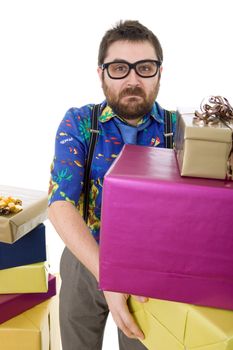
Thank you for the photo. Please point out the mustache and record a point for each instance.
(136, 90)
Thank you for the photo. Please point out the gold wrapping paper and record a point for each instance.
(34, 212)
(31, 278)
(177, 326)
(34, 329)
(202, 150)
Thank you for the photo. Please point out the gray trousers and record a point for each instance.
(83, 309)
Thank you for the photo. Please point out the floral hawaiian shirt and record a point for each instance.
(71, 147)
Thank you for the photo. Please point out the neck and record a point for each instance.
(133, 122)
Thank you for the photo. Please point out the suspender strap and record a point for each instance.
(93, 139)
(168, 137)
(168, 134)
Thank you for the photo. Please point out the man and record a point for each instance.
(129, 68)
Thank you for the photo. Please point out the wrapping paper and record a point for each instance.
(178, 326)
(34, 329)
(202, 150)
(12, 305)
(34, 212)
(165, 236)
(29, 249)
(31, 278)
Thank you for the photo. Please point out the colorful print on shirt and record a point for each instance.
(71, 147)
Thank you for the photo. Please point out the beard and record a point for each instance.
(132, 107)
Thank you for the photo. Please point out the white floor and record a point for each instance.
(54, 249)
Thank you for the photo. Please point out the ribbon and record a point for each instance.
(218, 109)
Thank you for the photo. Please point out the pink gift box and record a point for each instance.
(165, 236)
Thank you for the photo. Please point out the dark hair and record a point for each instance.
(131, 31)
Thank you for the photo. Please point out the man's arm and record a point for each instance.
(73, 230)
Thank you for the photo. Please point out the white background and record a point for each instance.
(48, 63)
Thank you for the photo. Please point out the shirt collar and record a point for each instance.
(107, 114)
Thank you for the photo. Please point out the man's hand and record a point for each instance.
(117, 303)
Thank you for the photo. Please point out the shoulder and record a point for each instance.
(75, 124)
(80, 113)
(163, 112)
(77, 117)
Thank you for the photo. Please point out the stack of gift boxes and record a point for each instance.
(167, 234)
(28, 299)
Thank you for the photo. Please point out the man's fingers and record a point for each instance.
(128, 326)
(133, 327)
(140, 299)
(126, 331)
(117, 303)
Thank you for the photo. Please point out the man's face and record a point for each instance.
(132, 96)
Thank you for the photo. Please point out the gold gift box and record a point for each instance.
(202, 150)
(32, 278)
(179, 326)
(14, 226)
(34, 329)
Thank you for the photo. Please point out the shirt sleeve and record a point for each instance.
(67, 168)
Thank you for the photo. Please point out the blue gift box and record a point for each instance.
(29, 249)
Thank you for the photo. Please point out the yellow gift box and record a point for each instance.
(34, 203)
(202, 150)
(34, 329)
(31, 278)
(178, 326)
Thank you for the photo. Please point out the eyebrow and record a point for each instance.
(116, 60)
(119, 60)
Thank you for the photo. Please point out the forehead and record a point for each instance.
(130, 51)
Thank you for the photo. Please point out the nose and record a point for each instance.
(132, 78)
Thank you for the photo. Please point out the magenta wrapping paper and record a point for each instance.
(166, 236)
(12, 305)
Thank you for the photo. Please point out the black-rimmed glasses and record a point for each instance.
(120, 69)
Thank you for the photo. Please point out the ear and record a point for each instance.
(160, 72)
(100, 73)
